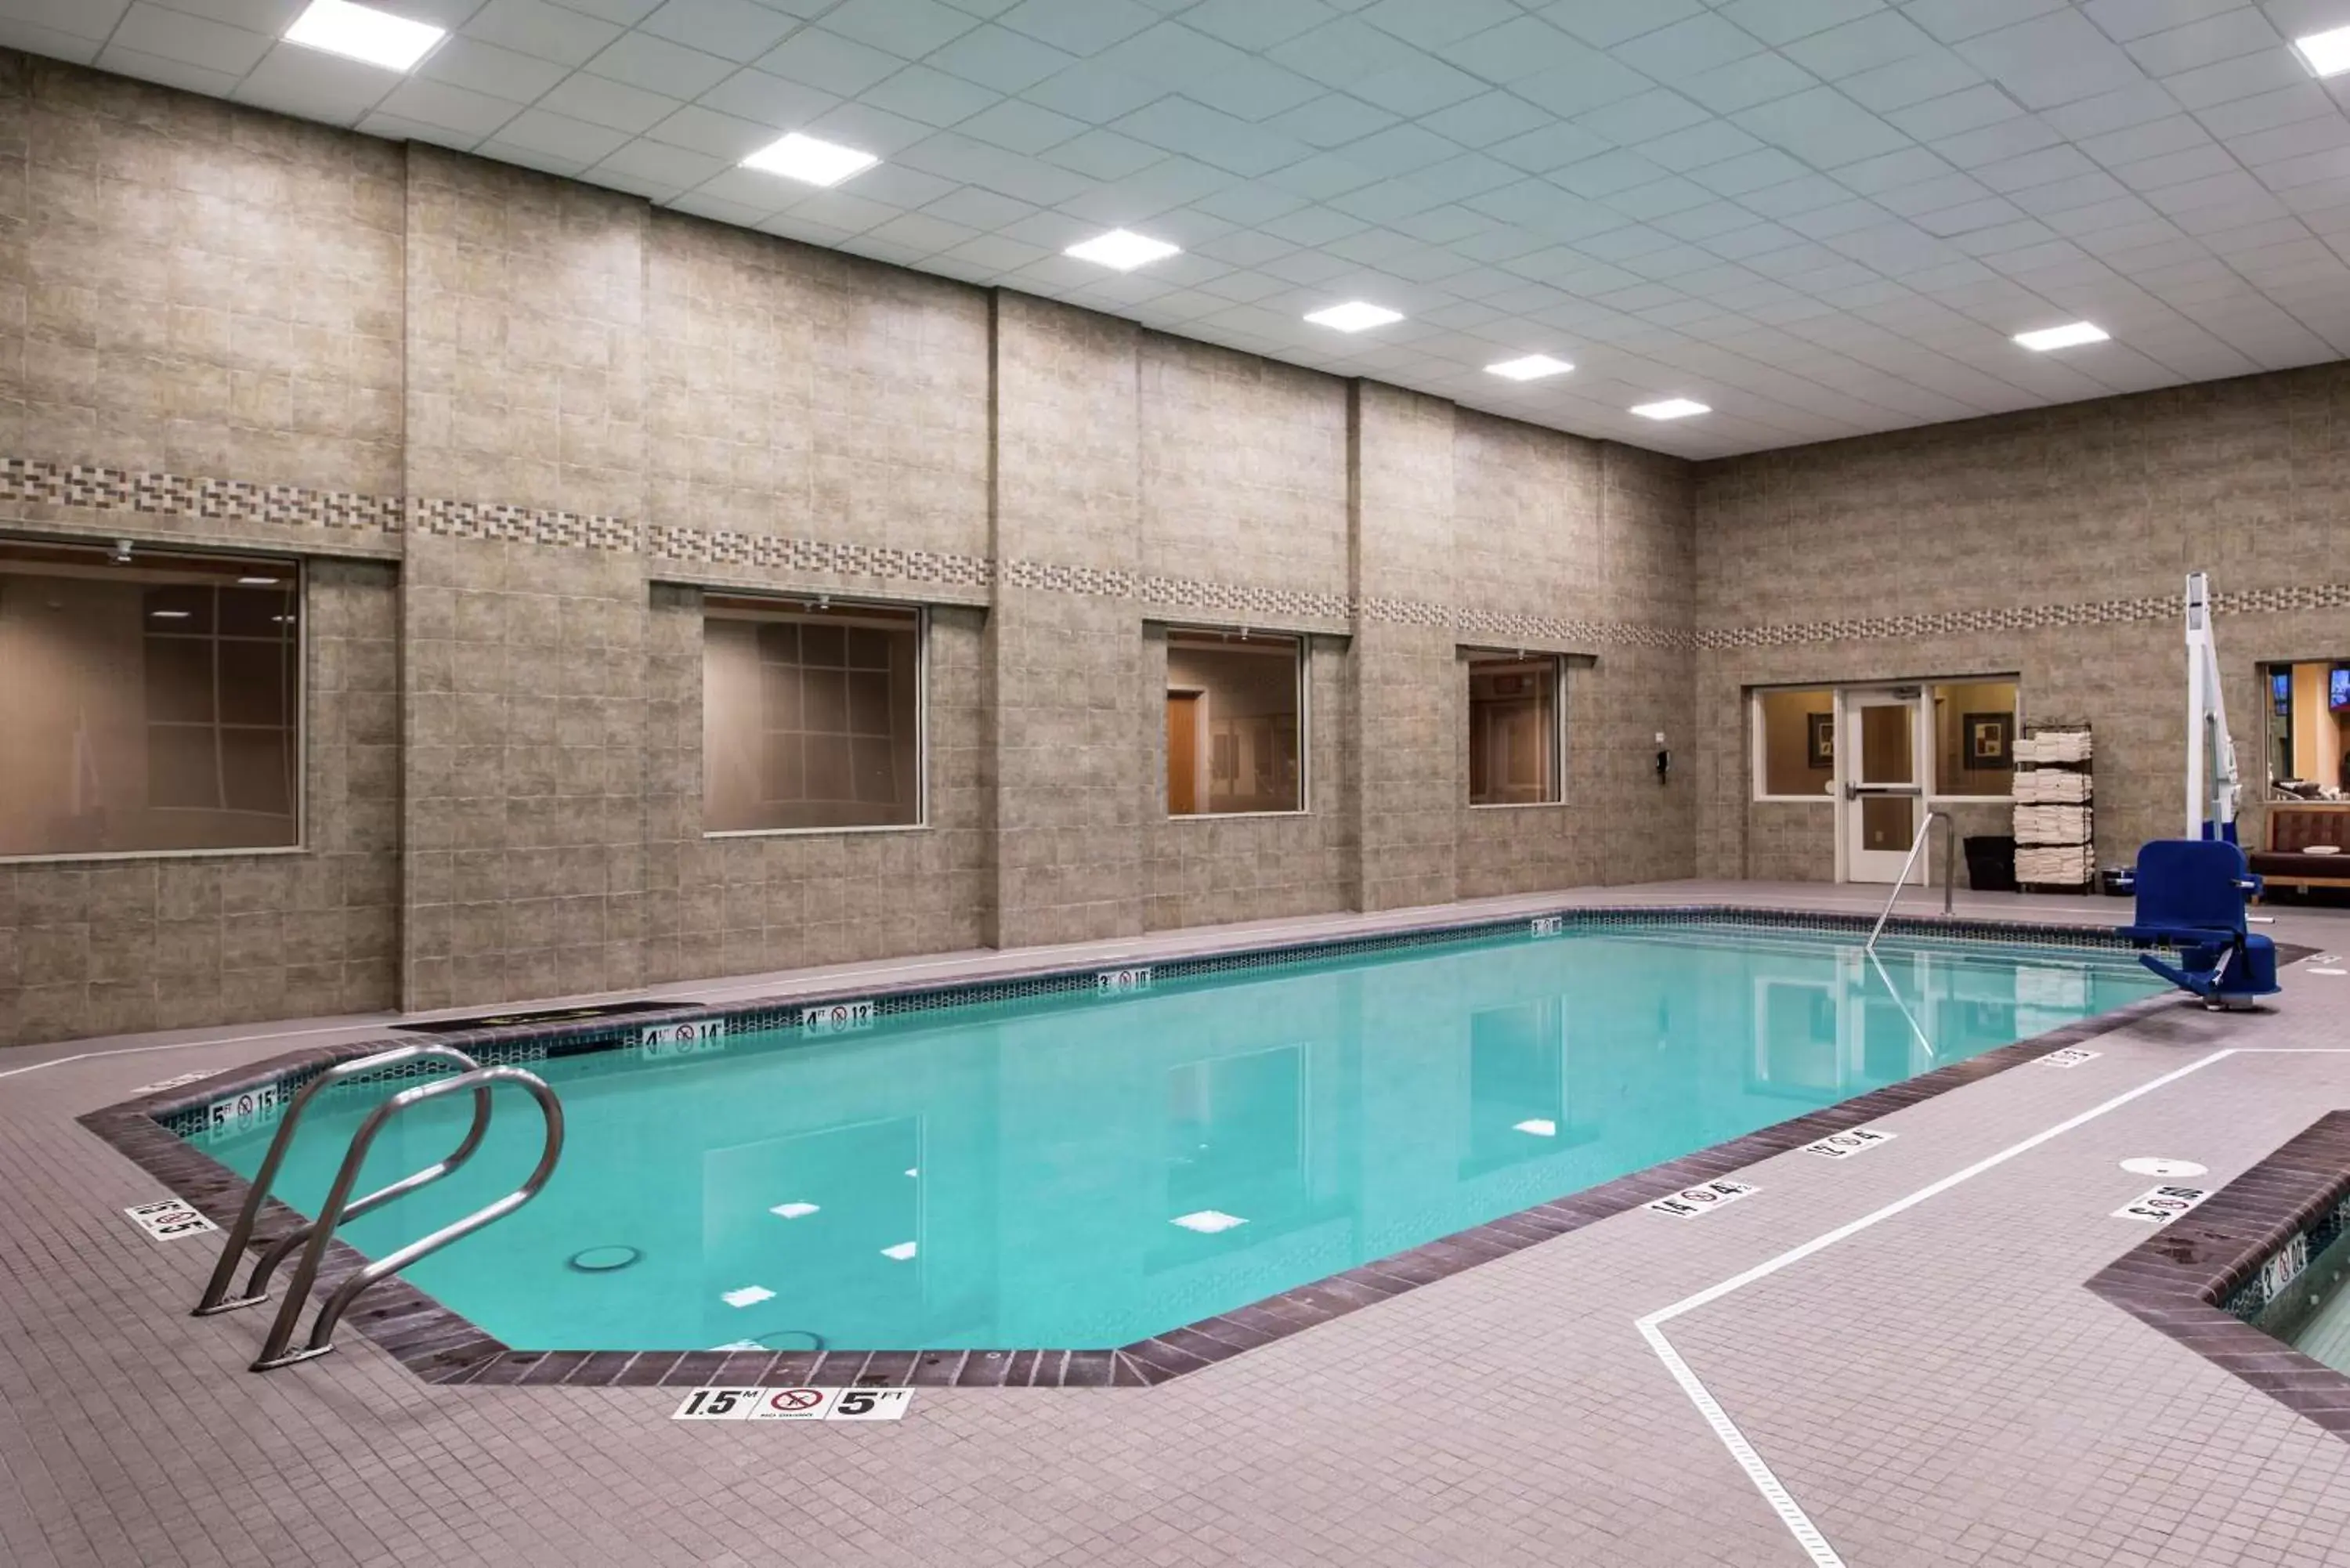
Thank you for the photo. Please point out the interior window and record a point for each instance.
(1235, 703)
(1514, 728)
(1796, 749)
(151, 701)
(2309, 729)
(811, 716)
(1975, 726)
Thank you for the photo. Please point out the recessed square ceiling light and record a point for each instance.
(2328, 53)
(364, 33)
(1354, 316)
(257, 582)
(804, 158)
(1123, 249)
(2067, 336)
(1670, 408)
(1532, 368)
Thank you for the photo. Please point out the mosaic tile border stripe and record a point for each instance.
(2026, 618)
(439, 1346)
(2195, 1279)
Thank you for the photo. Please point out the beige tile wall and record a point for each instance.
(505, 707)
(109, 946)
(2090, 504)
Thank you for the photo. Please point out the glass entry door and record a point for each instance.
(1881, 767)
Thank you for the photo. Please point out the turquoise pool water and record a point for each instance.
(1085, 1173)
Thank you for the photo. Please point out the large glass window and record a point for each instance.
(811, 716)
(1975, 737)
(1795, 745)
(2309, 729)
(1235, 709)
(149, 701)
(1513, 730)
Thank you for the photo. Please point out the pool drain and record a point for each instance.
(814, 1340)
(605, 1259)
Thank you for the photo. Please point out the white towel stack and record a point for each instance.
(2051, 786)
(2054, 865)
(2053, 746)
(2052, 825)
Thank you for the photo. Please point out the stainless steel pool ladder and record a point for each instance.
(1950, 869)
(340, 1205)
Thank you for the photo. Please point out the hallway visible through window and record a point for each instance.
(811, 717)
(149, 701)
(1514, 728)
(1235, 709)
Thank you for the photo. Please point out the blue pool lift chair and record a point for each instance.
(2192, 896)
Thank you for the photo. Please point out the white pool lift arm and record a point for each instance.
(2211, 777)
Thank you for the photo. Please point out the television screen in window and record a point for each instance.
(2338, 689)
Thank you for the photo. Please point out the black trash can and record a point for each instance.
(1991, 862)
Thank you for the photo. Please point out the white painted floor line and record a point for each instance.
(192, 1046)
(1799, 1524)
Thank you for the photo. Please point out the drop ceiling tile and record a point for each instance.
(2223, 81)
(2267, 111)
(545, 32)
(1080, 28)
(1870, 43)
(626, 13)
(829, 62)
(655, 162)
(998, 57)
(215, 47)
(484, 68)
(901, 184)
(1914, 79)
(560, 136)
(1433, 27)
(271, 16)
(1524, 47)
(768, 100)
(1995, 143)
(1750, 171)
(1580, 85)
(93, 20)
(315, 86)
(450, 109)
(909, 27)
(599, 101)
(934, 97)
(2240, 31)
(2204, 163)
(1725, 89)
(1257, 23)
(699, 129)
(656, 65)
(153, 68)
(1421, 87)
(1822, 127)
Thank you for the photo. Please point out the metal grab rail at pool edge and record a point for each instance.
(1950, 869)
(339, 1206)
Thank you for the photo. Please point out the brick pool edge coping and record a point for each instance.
(441, 1346)
(2178, 1279)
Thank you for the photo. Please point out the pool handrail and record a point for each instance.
(1950, 869)
(216, 1298)
(274, 1352)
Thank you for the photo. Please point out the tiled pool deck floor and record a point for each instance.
(1934, 1387)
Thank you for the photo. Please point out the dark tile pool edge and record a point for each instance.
(2184, 1280)
(441, 1346)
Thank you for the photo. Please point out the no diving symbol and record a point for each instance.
(795, 1401)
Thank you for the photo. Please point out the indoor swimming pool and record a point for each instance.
(1089, 1170)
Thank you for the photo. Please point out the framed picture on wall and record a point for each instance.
(1819, 750)
(1990, 740)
